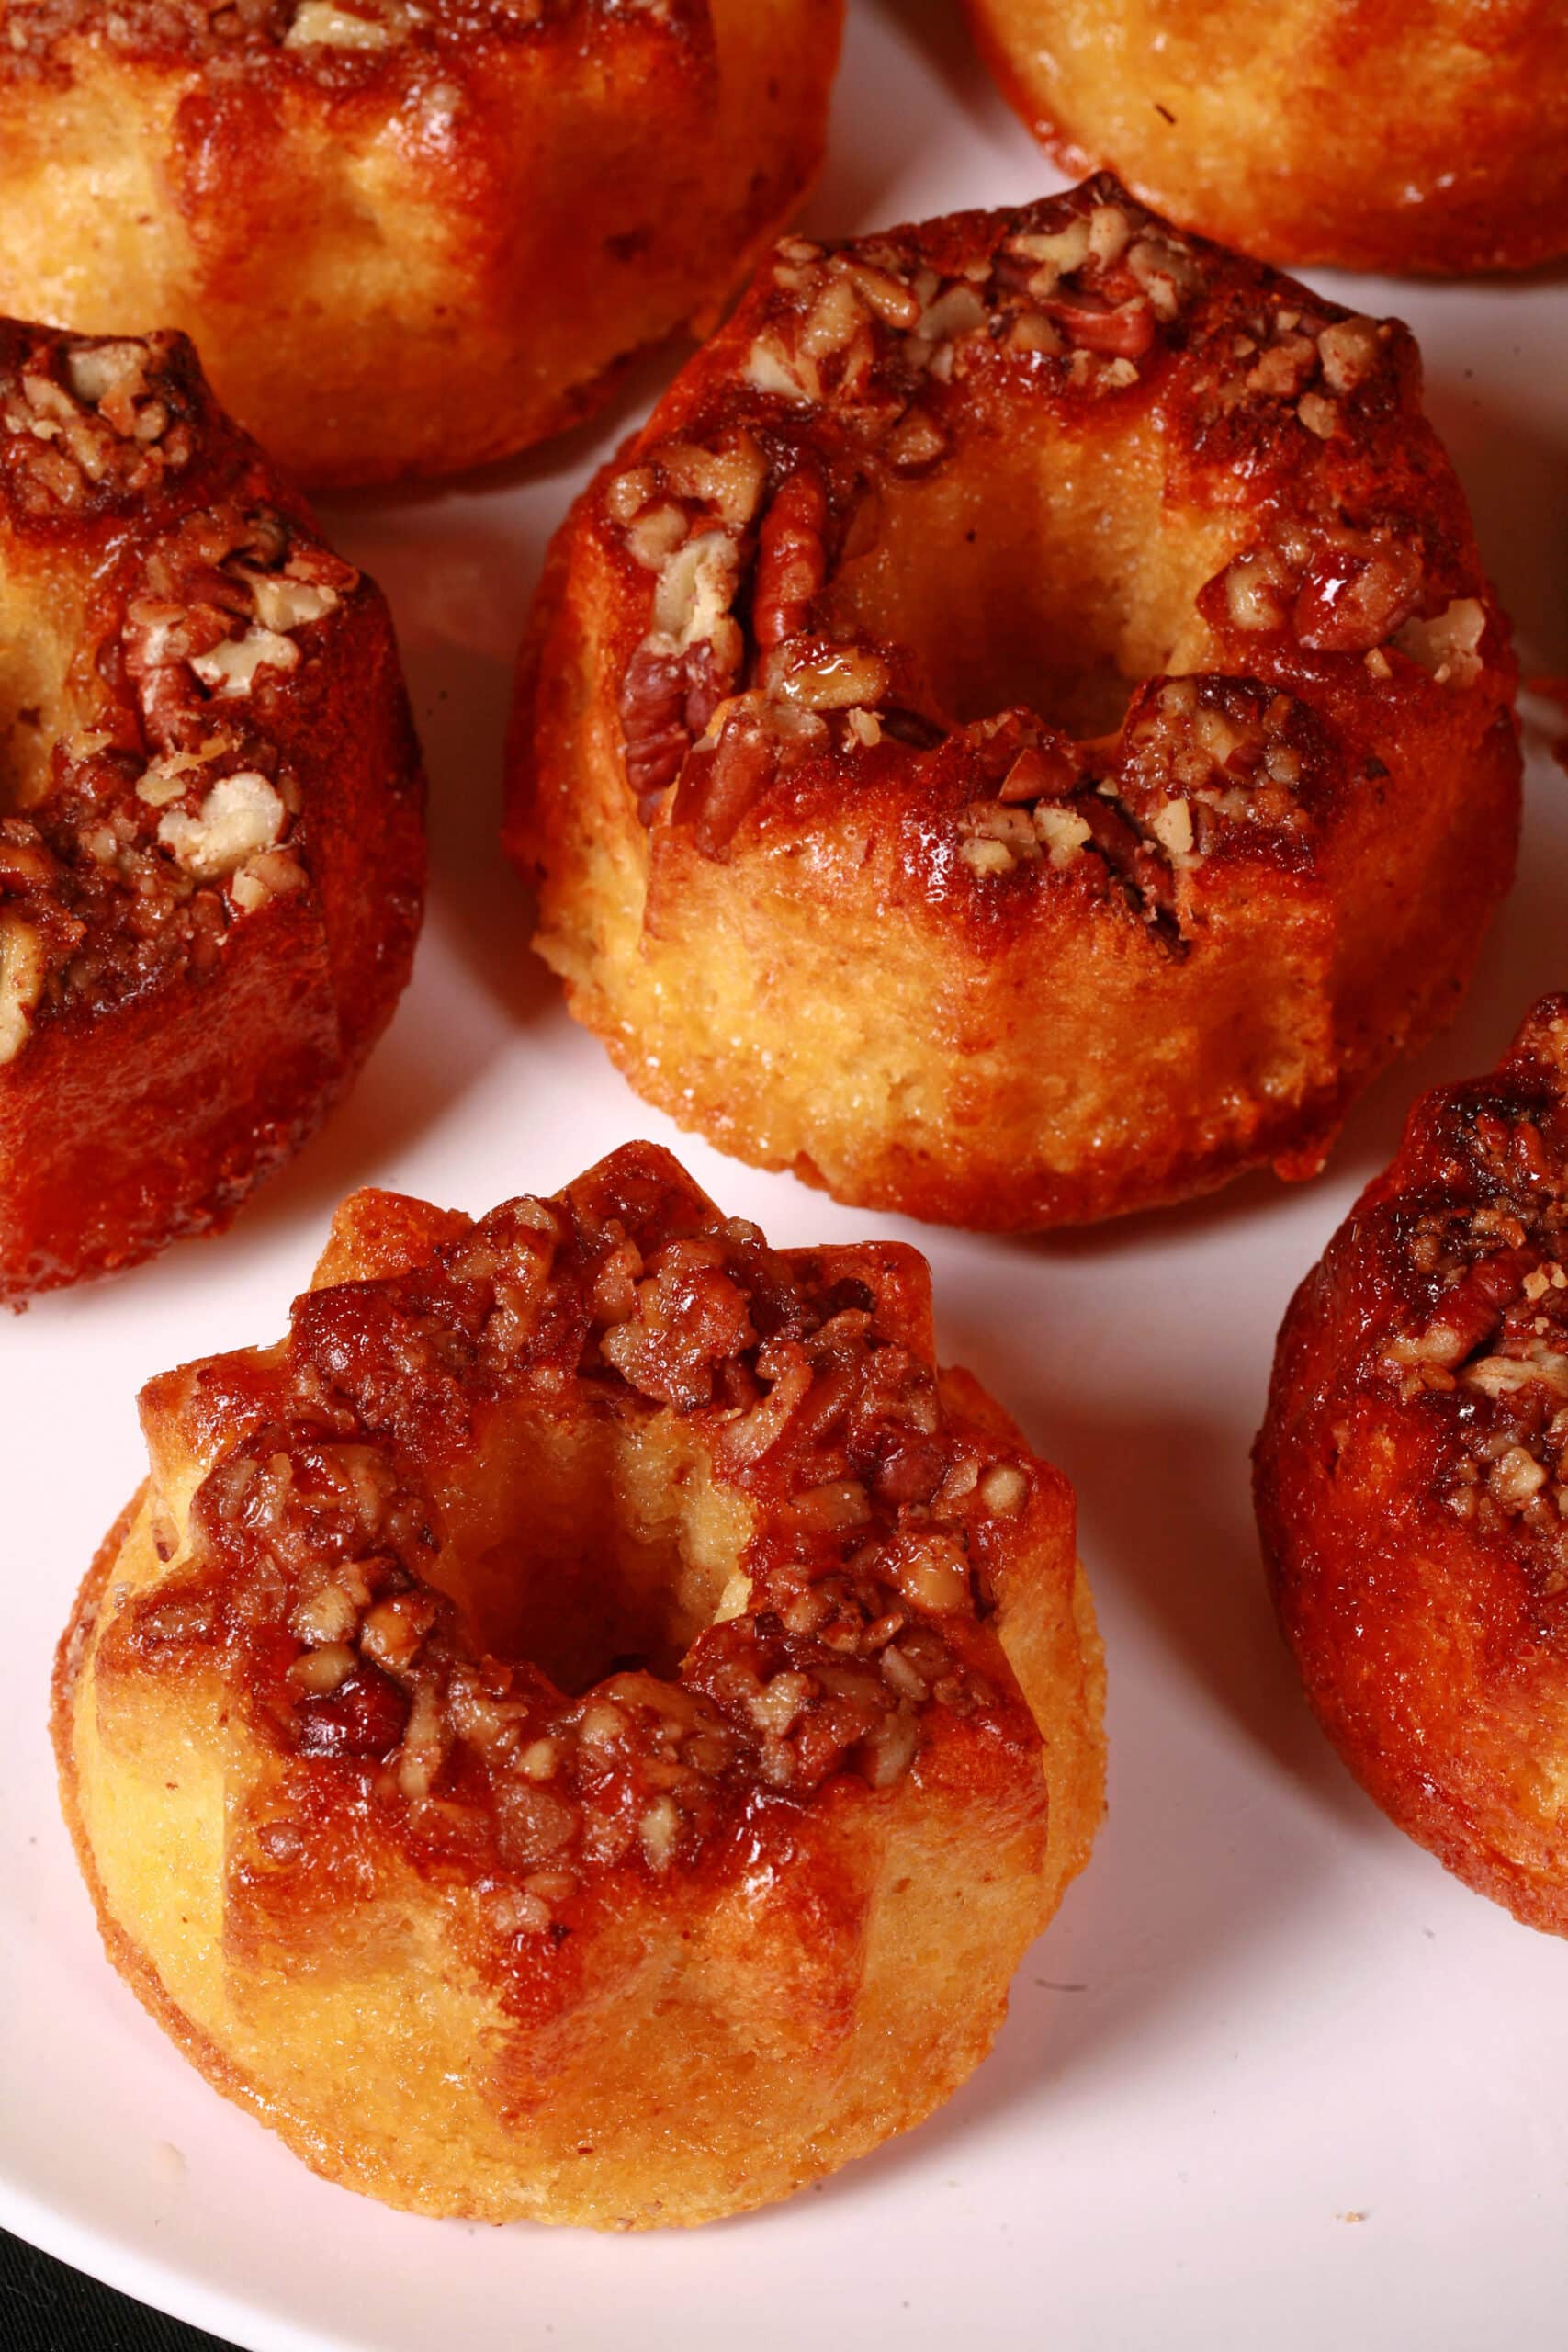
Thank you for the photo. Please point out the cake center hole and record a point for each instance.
(1036, 568)
(40, 620)
(591, 1543)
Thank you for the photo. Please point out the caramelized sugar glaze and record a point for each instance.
(211, 835)
(586, 1726)
(1412, 1478)
(1023, 733)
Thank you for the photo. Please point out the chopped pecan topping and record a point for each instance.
(327, 40)
(162, 813)
(1447, 643)
(1203, 764)
(870, 368)
(1480, 1331)
(214, 614)
(322, 1567)
(86, 424)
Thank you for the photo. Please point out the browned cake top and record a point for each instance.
(343, 43)
(321, 1582)
(1420, 1393)
(176, 601)
(749, 692)
(1463, 1300)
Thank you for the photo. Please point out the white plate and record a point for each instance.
(1272, 2076)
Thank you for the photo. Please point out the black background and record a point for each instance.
(44, 2307)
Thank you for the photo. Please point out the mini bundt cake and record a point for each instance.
(586, 1727)
(1375, 136)
(405, 239)
(1023, 733)
(211, 831)
(1412, 1479)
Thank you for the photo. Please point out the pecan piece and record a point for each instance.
(653, 720)
(1123, 333)
(1351, 600)
(792, 561)
(720, 781)
(364, 1717)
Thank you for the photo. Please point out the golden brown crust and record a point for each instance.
(597, 1654)
(211, 847)
(124, 1954)
(843, 851)
(1411, 1484)
(405, 241)
(1374, 136)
